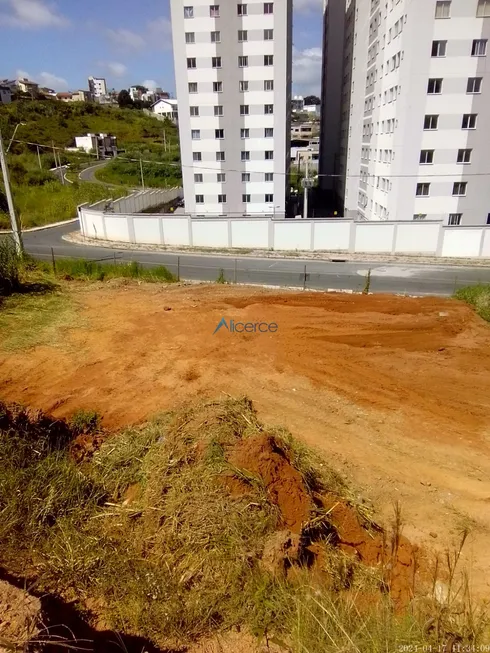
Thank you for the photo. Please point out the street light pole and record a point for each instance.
(13, 136)
(10, 201)
(305, 200)
(142, 176)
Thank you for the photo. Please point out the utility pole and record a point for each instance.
(305, 186)
(10, 201)
(39, 158)
(164, 140)
(57, 163)
(142, 176)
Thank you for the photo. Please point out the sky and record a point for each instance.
(60, 43)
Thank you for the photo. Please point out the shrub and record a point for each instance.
(477, 296)
(9, 267)
(85, 421)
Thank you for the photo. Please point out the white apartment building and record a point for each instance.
(97, 86)
(414, 109)
(233, 79)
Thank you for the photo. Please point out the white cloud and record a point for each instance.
(150, 84)
(126, 39)
(53, 81)
(305, 6)
(115, 68)
(307, 71)
(30, 14)
(22, 74)
(157, 35)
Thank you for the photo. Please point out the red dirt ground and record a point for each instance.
(395, 392)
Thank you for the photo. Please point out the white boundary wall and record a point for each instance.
(426, 238)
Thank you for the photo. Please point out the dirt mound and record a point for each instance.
(20, 615)
(263, 457)
(307, 519)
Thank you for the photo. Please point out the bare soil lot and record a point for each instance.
(394, 392)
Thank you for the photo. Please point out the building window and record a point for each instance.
(188, 12)
(269, 155)
(434, 87)
(439, 48)
(190, 37)
(269, 198)
(268, 85)
(459, 188)
(246, 199)
(215, 37)
(244, 133)
(454, 219)
(192, 87)
(219, 133)
(216, 62)
(242, 35)
(420, 216)
(443, 9)
(221, 199)
(242, 62)
(268, 59)
(191, 62)
(483, 9)
(245, 156)
(431, 122)
(268, 7)
(199, 199)
(217, 87)
(479, 48)
(214, 11)
(243, 86)
(423, 190)
(220, 156)
(269, 176)
(268, 109)
(198, 179)
(242, 10)
(218, 110)
(221, 177)
(268, 35)
(427, 156)
(474, 85)
(469, 121)
(194, 111)
(196, 156)
(244, 109)
(269, 132)
(245, 176)
(196, 134)
(464, 156)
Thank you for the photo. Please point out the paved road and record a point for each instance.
(390, 278)
(88, 174)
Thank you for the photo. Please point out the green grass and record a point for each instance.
(477, 296)
(162, 173)
(53, 202)
(39, 319)
(148, 532)
(95, 271)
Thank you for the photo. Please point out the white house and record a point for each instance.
(168, 108)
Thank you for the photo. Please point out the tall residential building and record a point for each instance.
(233, 78)
(97, 87)
(414, 111)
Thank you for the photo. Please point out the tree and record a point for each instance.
(312, 99)
(124, 99)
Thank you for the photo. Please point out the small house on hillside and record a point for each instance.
(167, 108)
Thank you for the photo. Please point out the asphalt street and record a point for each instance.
(411, 279)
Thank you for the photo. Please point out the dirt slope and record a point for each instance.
(395, 391)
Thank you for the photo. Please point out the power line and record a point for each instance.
(290, 174)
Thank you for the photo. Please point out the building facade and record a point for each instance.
(414, 110)
(233, 78)
(5, 95)
(97, 87)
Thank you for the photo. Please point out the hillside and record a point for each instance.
(39, 196)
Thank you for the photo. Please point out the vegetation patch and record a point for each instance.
(94, 271)
(206, 519)
(477, 296)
